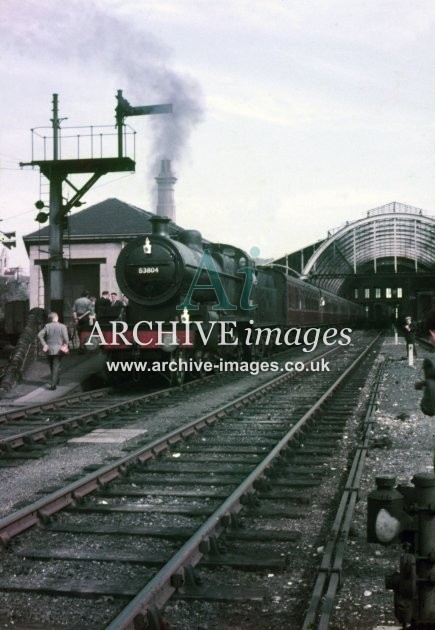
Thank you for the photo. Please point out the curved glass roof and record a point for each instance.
(394, 237)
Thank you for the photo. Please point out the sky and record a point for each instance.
(290, 118)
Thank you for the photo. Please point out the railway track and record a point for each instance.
(26, 433)
(329, 573)
(23, 427)
(136, 528)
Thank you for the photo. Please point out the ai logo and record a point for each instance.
(147, 246)
(207, 264)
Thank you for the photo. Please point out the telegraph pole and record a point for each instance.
(55, 226)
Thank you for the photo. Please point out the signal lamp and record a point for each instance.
(42, 217)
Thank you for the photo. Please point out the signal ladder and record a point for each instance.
(44, 196)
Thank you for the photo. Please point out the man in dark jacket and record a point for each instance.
(116, 307)
(102, 308)
(409, 334)
(54, 337)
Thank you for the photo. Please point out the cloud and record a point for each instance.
(84, 34)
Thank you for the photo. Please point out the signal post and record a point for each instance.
(58, 170)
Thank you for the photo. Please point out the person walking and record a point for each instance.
(54, 340)
(409, 331)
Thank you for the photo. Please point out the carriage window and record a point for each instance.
(388, 292)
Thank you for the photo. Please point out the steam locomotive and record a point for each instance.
(191, 298)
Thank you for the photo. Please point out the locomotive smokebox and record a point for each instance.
(165, 191)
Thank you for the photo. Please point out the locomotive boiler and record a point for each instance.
(171, 281)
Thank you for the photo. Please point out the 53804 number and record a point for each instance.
(147, 270)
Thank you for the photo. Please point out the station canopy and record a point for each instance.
(391, 238)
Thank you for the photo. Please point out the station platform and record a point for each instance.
(77, 371)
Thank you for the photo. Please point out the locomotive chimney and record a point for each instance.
(165, 191)
(159, 225)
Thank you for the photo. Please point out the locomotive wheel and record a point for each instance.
(113, 379)
(136, 376)
(201, 356)
(240, 352)
(177, 378)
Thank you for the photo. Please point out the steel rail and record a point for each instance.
(53, 404)
(43, 433)
(65, 401)
(165, 582)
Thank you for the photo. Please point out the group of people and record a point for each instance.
(54, 336)
(105, 309)
(87, 308)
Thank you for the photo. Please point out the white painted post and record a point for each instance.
(410, 354)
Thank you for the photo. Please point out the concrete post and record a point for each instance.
(410, 348)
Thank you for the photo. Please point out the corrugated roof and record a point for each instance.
(111, 219)
(392, 236)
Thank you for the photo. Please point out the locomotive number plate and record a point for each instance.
(148, 270)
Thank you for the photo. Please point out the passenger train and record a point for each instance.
(188, 297)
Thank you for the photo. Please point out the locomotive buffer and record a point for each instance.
(57, 172)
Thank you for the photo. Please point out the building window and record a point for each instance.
(377, 292)
(366, 293)
(388, 293)
(356, 294)
(399, 292)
